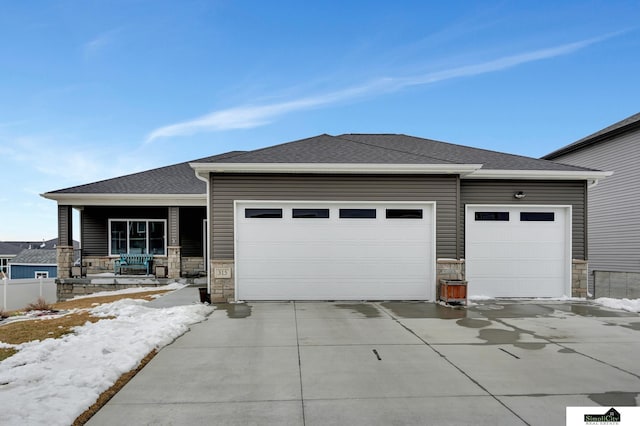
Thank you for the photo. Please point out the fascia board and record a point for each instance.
(128, 199)
(537, 174)
(334, 168)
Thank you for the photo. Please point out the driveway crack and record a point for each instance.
(443, 356)
(295, 314)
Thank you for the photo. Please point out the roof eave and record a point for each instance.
(335, 168)
(79, 199)
(538, 174)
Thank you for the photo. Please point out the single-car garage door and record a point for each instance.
(334, 251)
(518, 251)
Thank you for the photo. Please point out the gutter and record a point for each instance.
(205, 178)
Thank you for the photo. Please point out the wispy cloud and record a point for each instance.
(249, 116)
(100, 42)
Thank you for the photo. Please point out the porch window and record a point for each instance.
(137, 236)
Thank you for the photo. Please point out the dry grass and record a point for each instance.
(39, 305)
(90, 302)
(6, 353)
(26, 331)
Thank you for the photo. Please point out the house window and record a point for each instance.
(310, 213)
(537, 217)
(4, 264)
(42, 274)
(263, 213)
(495, 216)
(404, 213)
(357, 213)
(137, 236)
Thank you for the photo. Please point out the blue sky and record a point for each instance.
(97, 89)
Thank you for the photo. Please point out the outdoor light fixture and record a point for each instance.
(519, 195)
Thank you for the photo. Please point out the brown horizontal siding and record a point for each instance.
(226, 188)
(537, 192)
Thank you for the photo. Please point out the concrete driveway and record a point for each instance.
(390, 363)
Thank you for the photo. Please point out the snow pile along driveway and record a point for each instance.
(54, 381)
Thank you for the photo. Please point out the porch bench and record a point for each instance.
(138, 261)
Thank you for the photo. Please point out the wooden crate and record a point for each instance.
(453, 291)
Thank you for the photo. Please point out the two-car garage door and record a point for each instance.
(334, 250)
(386, 251)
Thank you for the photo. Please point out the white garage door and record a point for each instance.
(334, 251)
(521, 251)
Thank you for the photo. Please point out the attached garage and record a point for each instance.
(312, 250)
(518, 251)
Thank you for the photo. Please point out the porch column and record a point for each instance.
(64, 249)
(174, 256)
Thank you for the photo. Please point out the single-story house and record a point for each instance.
(614, 224)
(349, 217)
(10, 249)
(34, 263)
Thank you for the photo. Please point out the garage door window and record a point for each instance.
(357, 213)
(494, 216)
(263, 213)
(404, 213)
(537, 216)
(310, 213)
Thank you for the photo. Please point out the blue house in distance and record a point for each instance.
(33, 263)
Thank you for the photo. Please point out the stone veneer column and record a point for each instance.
(173, 261)
(223, 288)
(64, 259)
(448, 269)
(579, 278)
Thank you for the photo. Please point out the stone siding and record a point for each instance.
(579, 278)
(223, 287)
(64, 259)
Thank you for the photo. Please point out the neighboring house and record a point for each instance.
(10, 249)
(614, 223)
(34, 263)
(350, 217)
(7, 252)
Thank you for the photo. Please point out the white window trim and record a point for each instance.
(147, 220)
(45, 273)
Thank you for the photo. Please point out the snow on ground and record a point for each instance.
(631, 305)
(53, 381)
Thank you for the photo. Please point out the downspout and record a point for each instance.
(593, 183)
(205, 179)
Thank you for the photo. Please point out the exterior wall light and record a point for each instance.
(519, 195)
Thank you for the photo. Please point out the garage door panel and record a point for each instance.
(334, 258)
(517, 258)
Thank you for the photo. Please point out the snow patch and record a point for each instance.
(55, 380)
(631, 305)
(172, 286)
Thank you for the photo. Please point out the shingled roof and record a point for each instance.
(175, 179)
(388, 149)
(628, 124)
(35, 257)
(375, 149)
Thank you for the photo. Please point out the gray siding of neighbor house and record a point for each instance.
(225, 188)
(614, 203)
(537, 192)
(29, 271)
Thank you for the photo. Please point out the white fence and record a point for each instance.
(16, 294)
